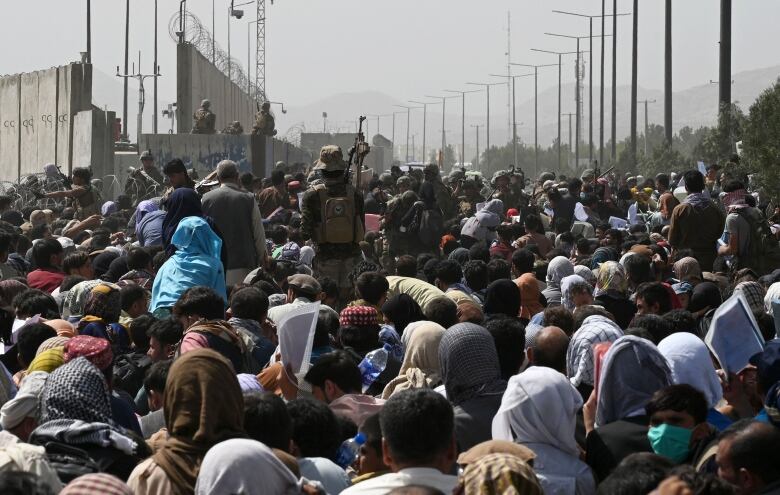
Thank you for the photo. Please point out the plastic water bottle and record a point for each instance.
(373, 365)
(349, 450)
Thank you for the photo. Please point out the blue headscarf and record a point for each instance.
(183, 202)
(196, 262)
(144, 207)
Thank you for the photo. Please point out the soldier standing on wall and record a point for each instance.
(205, 121)
(265, 124)
(332, 216)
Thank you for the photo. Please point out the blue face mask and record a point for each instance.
(672, 442)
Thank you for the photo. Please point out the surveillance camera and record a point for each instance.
(238, 14)
(284, 110)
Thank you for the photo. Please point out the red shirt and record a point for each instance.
(502, 249)
(46, 280)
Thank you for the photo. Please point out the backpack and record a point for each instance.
(130, 370)
(763, 248)
(339, 223)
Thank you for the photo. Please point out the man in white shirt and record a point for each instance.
(418, 444)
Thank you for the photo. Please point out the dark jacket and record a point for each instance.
(231, 211)
(607, 445)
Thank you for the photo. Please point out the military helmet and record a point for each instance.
(545, 176)
(205, 103)
(455, 175)
(146, 155)
(331, 159)
(499, 174)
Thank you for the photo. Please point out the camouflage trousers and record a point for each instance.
(338, 270)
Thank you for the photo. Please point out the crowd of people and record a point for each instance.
(472, 336)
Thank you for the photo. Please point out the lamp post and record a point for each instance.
(536, 107)
(647, 126)
(425, 117)
(560, 54)
(477, 126)
(514, 114)
(408, 117)
(443, 113)
(463, 121)
(377, 117)
(570, 116)
(577, 97)
(487, 122)
(590, 75)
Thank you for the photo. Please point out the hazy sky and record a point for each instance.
(405, 48)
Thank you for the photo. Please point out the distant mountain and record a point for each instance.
(694, 107)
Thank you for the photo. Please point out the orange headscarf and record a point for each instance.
(529, 296)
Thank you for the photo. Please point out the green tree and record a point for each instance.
(717, 144)
(761, 142)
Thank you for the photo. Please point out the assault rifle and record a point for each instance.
(361, 149)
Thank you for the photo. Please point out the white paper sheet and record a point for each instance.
(733, 335)
(296, 336)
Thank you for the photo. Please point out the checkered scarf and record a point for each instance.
(82, 433)
(358, 316)
(754, 294)
(579, 357)
(469, 363)
(76, 390)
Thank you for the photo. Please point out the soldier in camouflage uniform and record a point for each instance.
(205, 121)
(146, 181)
(265, 124)
(444, 199)
(333, 218)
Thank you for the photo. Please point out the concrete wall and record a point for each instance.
(256, 154)
(199, 151)
(36, 113)
(10, 122)
(93, 144)
(198, 79)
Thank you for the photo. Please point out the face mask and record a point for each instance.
(670, 441)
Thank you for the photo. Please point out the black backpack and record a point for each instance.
(130, 370)
(71, 462)
(763, 248)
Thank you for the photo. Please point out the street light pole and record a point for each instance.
(487, 90)
(614, 81)
(462, 122)
(668, 72)
(634, 80)
(536, 107)
(647, 126)
(477, 126)
(570, 115)
(560, 54)
(425, 121)
(514, 115)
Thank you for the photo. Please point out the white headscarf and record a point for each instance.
(25, 403)
(246, 466)
(567, 284)
(539, 406)
(633, 371)
(307, 255)
(559, 268)
(689, 360)
(772, 294)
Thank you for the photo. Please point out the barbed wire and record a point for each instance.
(197, 35)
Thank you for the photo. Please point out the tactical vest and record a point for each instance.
(339, 223)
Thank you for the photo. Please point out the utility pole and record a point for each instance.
(462, 121)
(634, 80)
(89, 31)
(509, 95)
(559, 99)
(536, 108)
(601, 109)
(614, 81)
(570, 115)
(577, 89)
(590, 75)
(141, 93)
(443, 113)
(425, 117)
(668, 73)
(156, 70)
(647, 125)
(514, 114)
(724, 88)
(476, 164)
(487, 90)
(124, 136)
(408, 126)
